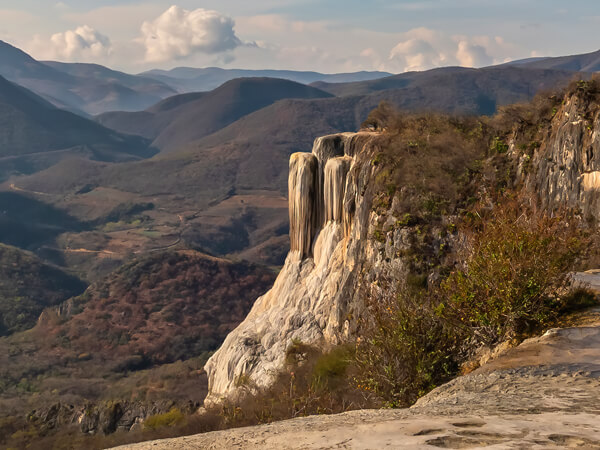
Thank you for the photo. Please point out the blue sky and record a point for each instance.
(325, 35)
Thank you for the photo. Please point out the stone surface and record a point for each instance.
(543, 394)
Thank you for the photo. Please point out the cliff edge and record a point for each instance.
(543, 394)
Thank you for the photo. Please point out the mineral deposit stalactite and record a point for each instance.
(325, 148)
(336, 171)
(302, 195)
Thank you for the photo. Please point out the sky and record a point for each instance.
(328, 36)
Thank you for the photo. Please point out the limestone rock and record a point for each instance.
(567, 165)
(313, 297)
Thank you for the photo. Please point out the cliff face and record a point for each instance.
(567, 165)
(314, 297)
(341, 249)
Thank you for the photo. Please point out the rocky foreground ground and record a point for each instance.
(543, 394)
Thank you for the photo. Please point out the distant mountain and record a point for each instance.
(82, 88)
(34, 133)
(187, 79)
(588, 62)
(456, 89)
(182, 119)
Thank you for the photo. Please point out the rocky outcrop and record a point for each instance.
(103, 418)
(314, 297)
(567, 165)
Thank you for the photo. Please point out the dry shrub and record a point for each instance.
(511, 280)
(513, 272)
(313, 382)
(406, 350)
(429, 162)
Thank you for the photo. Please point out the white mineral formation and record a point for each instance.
(302, 193)
(311, 298)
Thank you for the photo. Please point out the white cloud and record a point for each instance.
(83, 43)
(423, 48)
(472, 55)
(179, 33)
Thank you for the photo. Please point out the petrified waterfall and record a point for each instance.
(302, 194)
(316, 190)
(311, 299)
(336, 170)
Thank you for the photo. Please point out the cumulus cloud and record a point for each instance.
(82, 43)
(179, 33)
(422, 49)
(472, 55)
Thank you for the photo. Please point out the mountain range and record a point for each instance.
(92, 89)
(187, 79)
(184, 118)
(82, 88)
(223, 154)
(35, 134)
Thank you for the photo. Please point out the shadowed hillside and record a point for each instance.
(86, 88)
(28, 223)
(27, 286)
(31, 128)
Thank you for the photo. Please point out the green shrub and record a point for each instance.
(407, 350)
(515, 268)
(330, 368)
(499, 146)
(168, 419)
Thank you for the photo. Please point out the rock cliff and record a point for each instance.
(313, 299)
(567, 165)
(343, 244)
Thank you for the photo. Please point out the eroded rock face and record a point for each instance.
(313, 299)
(104, 418)
(567, 166)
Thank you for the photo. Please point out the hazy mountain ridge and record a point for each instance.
(588, 62)
(84, 88)
(35, 134)
(209, 78)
